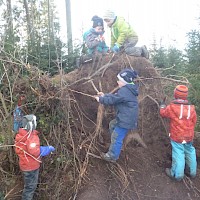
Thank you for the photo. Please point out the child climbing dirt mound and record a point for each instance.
(104, 79)
(139, 172)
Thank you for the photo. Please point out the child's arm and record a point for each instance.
(92, 41)
(194, 117)
(165, 112)
(111, 99)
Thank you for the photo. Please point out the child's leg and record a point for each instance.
(117, 138)
(112, 125)
(30, 184)
(190, 156)
(178, 160)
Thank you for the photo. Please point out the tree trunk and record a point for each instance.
(69, 27)
(29, 26)
(10, 34)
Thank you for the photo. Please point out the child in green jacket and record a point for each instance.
(123, 36)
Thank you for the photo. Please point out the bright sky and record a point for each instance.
(166, 19)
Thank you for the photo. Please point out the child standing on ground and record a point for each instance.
(183, 119)
(126, 106)
(29, 151)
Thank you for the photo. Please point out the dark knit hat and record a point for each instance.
(181, 92)
(127, 75)
(97, 21)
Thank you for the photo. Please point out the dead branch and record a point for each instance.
(81, 93)
(163, 78)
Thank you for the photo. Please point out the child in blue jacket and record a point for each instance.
(126, 107)
(94, 39)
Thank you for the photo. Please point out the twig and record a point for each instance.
(3, 104)
(108, 65)
(13, 145)
(10, 191)
(81, 93)
(164, 78)
(94, 86)
(148, 96)
(93, 155)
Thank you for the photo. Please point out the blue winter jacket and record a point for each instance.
(126, 105)
(93, 43)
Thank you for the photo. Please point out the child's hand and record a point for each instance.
(101, 38)
(46, 150)
(100, 94)
(97, 98)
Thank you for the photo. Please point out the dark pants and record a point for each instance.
(30, 184)
(130, 49)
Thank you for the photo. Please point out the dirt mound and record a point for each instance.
(86, 81)
(139, 173)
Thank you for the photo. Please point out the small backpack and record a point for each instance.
(18, 116)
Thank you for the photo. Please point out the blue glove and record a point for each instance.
(115, 49)
(46, 150)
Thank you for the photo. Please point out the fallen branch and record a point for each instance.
(164, 78)
(82, 93)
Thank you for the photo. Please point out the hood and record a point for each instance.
(133, 88)
(23, 134)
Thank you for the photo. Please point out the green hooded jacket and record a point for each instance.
(120, 31)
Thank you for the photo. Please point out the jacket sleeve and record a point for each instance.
(91, 41)
(113, 40)
(18, 148)
(194, 117)
(111, 99)
(165, 112)
(123, 28)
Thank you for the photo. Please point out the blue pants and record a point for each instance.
(30, 184)
(183, 154)
(117, 136)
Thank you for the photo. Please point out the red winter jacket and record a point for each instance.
(182, 120)
(25, 144)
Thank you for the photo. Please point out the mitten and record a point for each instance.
(115, 49)
(46, 150)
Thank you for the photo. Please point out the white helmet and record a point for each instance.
(29, 122)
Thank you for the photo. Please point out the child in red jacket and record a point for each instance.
(29, 151)
(183, 119)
